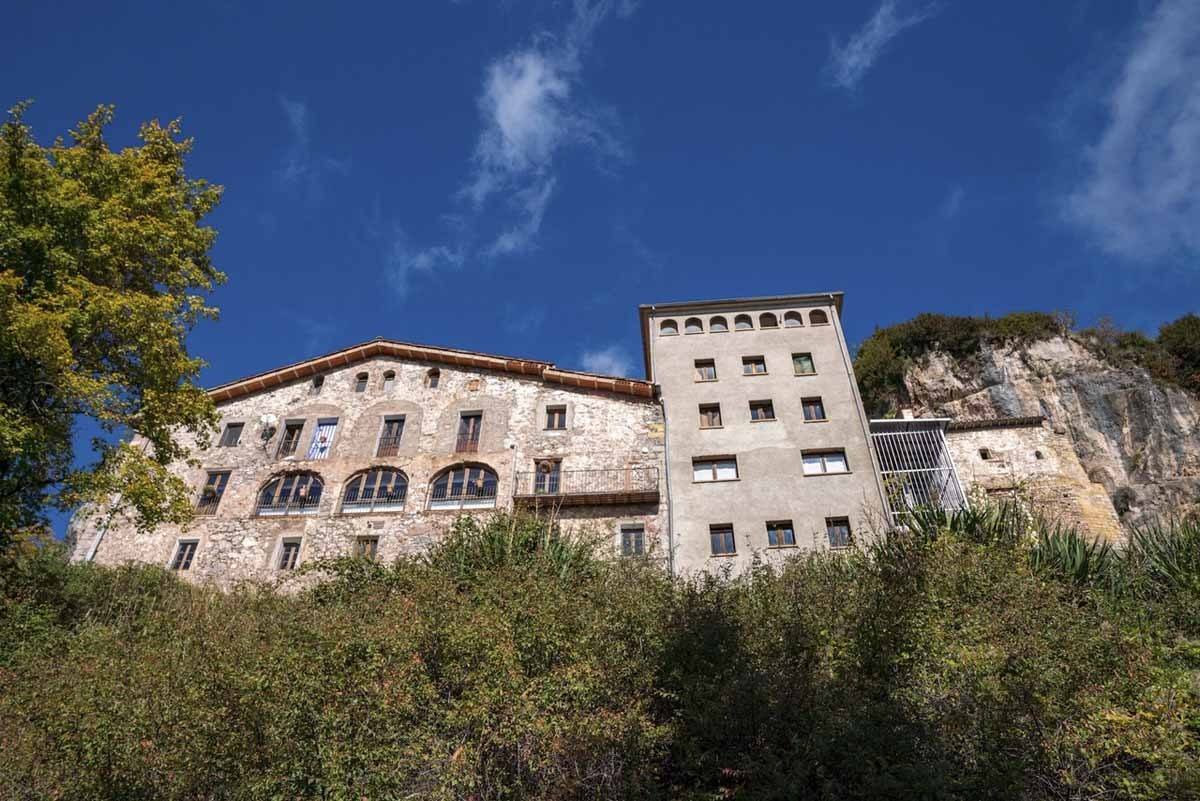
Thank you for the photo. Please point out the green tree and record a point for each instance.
(1182, 340)
(104, 268)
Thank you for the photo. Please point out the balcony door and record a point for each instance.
(469, 425)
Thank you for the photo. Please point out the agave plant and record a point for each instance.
(1167, 555)
(1003, 523)
(505, 541)
(1063, 552)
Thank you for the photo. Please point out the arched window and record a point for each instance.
(389, 380)
(376, 490)
(290, 494)
(742, 323)
(360, 382)
(768, 320)
(792, 320)
(668, 328)
(693, 325)
(818, 317)
(433, 377)
(317, 382)
(717, 325)
(466, 486)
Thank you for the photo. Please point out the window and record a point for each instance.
(668, 328)
(360, 382)
(814, 409)
(720, 537)
(818, 317)
(322, 440)
(780, 534)
(743, 323)
(723, 468)
(432, 377)
(556, 418)
(231, 435)
(290, 494)
(464, 487)
(390, 436)
(289, 554)
(792, 320)
(389, 380)
(802, 364)
(706, 370)
(838, 531)
(379, 489)
(693, 325)
(1038, 455)
(819, 462)
(214, 488)
(546, 476)
(633, 540)
(718, 325)
(185, 551)
(468, 432)
(985, 454)
(291, 438)
(366, 547)
(768, 320)
(762, 410)
(710, 415)
(317, 382)
(754, 365)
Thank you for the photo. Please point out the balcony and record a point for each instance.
(589, 487)
(467, 443)
(207, 505)
(389, 445)
(307, 505)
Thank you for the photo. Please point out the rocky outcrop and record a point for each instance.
(1138, 438)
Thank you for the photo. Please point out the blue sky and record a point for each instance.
(517, 176)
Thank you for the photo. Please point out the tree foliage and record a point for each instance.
(104, 268)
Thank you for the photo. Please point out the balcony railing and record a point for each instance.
(579, 487)
(388, 445)
(467, 443)
(471, 495)
(307, 505)
(207, 505)
(372, 500)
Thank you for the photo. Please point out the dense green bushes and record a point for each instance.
(513, 663)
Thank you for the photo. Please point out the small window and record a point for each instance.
(317, 382)
(1038, 455)
(743, 323)
(792, 320)
(818, 317)
(432, 377)
(556, 418)
(633, 540)
(469, 426)
(185, 552)
(718, 325)
(389, 380)
(814, 409)
(820, 462)
(693, 325)
(710, 415)
(390, 436)
(706, 370)
(366, 548)
(985, 454)
(720, 538)
(754, 365)
(762, 410)
(780, 534)
(291, 438)
(668, 328)
(768, 320)
(214, 488)
(231, 435)
(289, 554)
(838, 531)
(322, 441)
(360, 382)
(716, 469)
(803, 364)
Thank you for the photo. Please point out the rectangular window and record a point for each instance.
(716, 469)
(803, 364)
(710, 415)
(556, 418)
(317, 382)
(289, 554)
(754, 365)
(720, 537)
(546, 476)
(290, 439)
(360, 382)
(762, 410)
(231, 435)
(780, 534)
(322, 440)
(390, 436)
(706, 370)
(469, 425)
(633, 540)
(814, 409)
(366, 547)
(210, 495)
(185, 551)
(838, 530)
(818, 462)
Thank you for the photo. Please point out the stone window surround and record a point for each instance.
(275, 552)
(543, 405)
(178, 542)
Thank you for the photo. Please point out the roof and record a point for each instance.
(898, 424)
(1034, 421)
(543, 371)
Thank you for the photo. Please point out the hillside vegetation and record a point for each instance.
(981, 657)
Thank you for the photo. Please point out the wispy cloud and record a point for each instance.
(611, 360)
(850, 62)
(952, 205)
(1140, 197)
(302, 168)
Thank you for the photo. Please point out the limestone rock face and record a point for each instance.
(1139, 438)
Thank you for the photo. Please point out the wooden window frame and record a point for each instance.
(768, 405)
(715, 529)
(811, 361)
(239, 427)
(807, 403)
(701, 364)
(774, 527)
(753, 361)
(830, 522)
(184, 555)
(555, 412)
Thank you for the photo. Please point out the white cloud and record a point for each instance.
(849, 63)
(533, 201)
(1140, 198)
(611, 360)
(301, 168)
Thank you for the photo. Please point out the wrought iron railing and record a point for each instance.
(389, 445)
(469, 495)
(306, 505)
(374, 500)
(467, 443)
(288, 446)
(207, 505)
(620, 480)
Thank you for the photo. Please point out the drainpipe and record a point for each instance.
(667, 477)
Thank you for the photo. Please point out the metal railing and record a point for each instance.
(374, 500)
(469, 495)
(915, 467)
(207, 505)
(389, 445)
(467, 443)
(306, 505)
(612, 481)
(288, 446)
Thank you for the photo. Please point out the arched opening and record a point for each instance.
(378, 489)
(360, 382)
(818, 317)
(290, 494)
(668, 328)
(718, 325)
(792, 320)
(768, 320)
(743, 323)
(389, 380)
(693, 325)
(433, 377)
(464, 486)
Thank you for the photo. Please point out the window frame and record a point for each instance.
(361, 382)
(205, 508)
(823, 320)
(290, 426)
(184, 554)
(774, 527)
(738, 319)
(720, 320)
(721, 529)
(830, 522)
(240, 427)
(715, 466)
(808, 402)
(433, 378)
(389, 380)
(811, 361)
(767, 404)
(289, 506)
(463, 499)
(825, 471)
(384, 445)
(688, 325)
(710, 407)
(466, 440)
(556, 411)
(627, 550)
(668, 328)
(371, 554)
(367, 484)
(793, 319)
(285, 547)
(699, 365)
(762, 318)
(748, 361)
